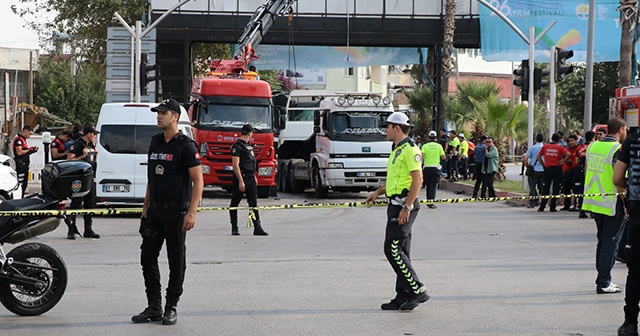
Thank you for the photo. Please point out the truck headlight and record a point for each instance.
(206, 169)
(335, 165)
(265, 171)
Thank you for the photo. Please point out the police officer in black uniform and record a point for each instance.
(22, 155)
(245, 180)
(84, 149)
(629, 161)
(174, 189)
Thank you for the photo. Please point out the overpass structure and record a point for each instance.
(373, 23)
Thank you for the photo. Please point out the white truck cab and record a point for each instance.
(123, 143)
(344, 148)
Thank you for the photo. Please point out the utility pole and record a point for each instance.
(588, 90)
(137, 35)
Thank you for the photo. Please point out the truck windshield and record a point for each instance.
(357, 126)
(222, 116)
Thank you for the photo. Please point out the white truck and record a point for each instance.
(330, 140)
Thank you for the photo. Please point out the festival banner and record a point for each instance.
(500, 43)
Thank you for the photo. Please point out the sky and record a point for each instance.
(17, 36)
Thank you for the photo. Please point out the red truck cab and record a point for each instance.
(221, 106)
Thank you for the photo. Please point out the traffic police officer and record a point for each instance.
(432, 153)
(84, 149)
(629, 162)
(608, 211)
(404, 180)
(245, 181)
(168, 212)
(22, 153)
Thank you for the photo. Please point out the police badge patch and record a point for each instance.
(418, 158)
(76, 186)
(159, 170)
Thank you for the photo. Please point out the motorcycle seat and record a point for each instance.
(32, 203)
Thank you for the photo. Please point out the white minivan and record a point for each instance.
(125, 134)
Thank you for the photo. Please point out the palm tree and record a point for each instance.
(420, 102)
(503, 121)
(449, 29)
(469, 94)
(628, 16)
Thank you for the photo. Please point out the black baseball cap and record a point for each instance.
(89, 129)
(247, 128)
(167, 105)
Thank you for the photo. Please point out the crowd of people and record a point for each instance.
(78, 144)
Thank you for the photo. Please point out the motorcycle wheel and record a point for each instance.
(30, 300)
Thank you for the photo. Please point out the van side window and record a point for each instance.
(127, 139)
(117, 139)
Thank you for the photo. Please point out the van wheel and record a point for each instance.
(263, 192)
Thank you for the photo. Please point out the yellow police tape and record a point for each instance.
(133, 211)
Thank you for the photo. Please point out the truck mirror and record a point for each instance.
(316, 129)
(316, 118)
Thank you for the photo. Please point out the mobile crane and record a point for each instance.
(229, 97)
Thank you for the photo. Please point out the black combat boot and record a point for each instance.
(170, 312)
(73, 229)
(89, 233)
(152, 313)
(257, 229)
(234, 229)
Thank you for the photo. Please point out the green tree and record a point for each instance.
(571, 91)
(503, 121)
(469, 94)
(77, 99)
(420, 102)
(85, 21)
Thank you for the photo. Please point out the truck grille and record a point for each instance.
(221, 152)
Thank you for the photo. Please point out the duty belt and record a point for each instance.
(396, 200)
(248, 173)
(164, 205)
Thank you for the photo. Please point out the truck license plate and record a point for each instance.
(366, 174)
(116, 188)
(228, 167)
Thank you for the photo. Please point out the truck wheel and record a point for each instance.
(295, 185)
(321, 191)
(284, 179)
(263, 192)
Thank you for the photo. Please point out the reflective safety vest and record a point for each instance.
(599, 178)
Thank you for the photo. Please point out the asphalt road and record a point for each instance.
(491, 269)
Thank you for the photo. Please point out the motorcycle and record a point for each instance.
(33, 276)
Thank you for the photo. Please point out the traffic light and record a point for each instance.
(144, 73)
(522, 79)
(562, 68)
(538, 81)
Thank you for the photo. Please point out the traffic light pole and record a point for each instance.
(138, 34)
(531, 41)
(552, 92)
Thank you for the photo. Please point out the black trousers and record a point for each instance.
(551, 175)
(251, 190)
(479, 176)
(88, 201)
(568, 186)
(397, 249)
(488, 184)
(464, 169)
(161, 225)
(632, 249)
(431, 179)
(23, 177)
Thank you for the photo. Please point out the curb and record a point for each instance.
(467, 190)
